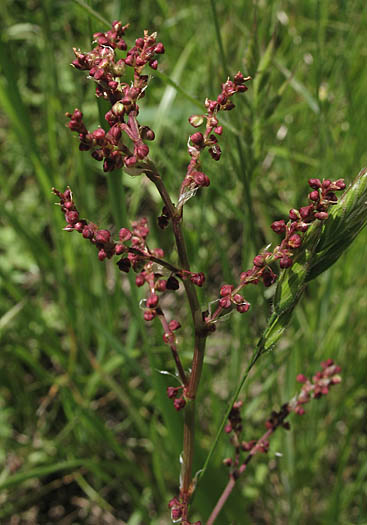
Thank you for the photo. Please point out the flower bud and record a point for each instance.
(243, 308)
(146, 133)
(238, 299)
(197, 138)
(174, 325)
(321, 215)
(71, 216)
(179, 404)
(110, 118)
(198, 278)
(139, 280)
(102, 254)
(161, 285)
(278, 226)
(259, 261)
(130, 161)
(314, 183)
(99, 134)
(306, 211)
(120, 249)
(113, 85)
(140, 61)
(172, 392)
(225, 302)
(159, 48)
(294, 214)
(295, 241)
(173, 503)
(103, 236)
(152, 301)
(141, 151)
(99, 74)
(116, 158)
(314, 196)
(87, 232)
(115, 132)
(302, 227)
(226, 289)
(149, 315)
(78, 226)
(200, 178)
(221, 99)
(129, 60)
(285, 262)
(340, 184)
(125, 234)
(326, 183)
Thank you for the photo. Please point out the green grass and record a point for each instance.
(86, 430)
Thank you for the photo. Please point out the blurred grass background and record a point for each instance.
(86, 432)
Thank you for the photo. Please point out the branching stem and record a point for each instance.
(201, 333)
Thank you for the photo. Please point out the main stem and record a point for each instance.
(201, 333)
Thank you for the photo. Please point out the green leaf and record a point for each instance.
(44, 470)
(92, 12)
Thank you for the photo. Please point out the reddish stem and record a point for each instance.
(236, 474)
(201, 333)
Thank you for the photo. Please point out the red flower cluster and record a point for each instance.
(311, 389)
(134, 253)
(235, 419)
(173, 393)
(123, 144)
(321, 198)
(317, 387)
(195, 178)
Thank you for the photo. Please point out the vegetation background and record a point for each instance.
(87, 434)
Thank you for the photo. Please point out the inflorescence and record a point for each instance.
(321, 198)
(123, 145)
(133, 252)
(313, 388)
